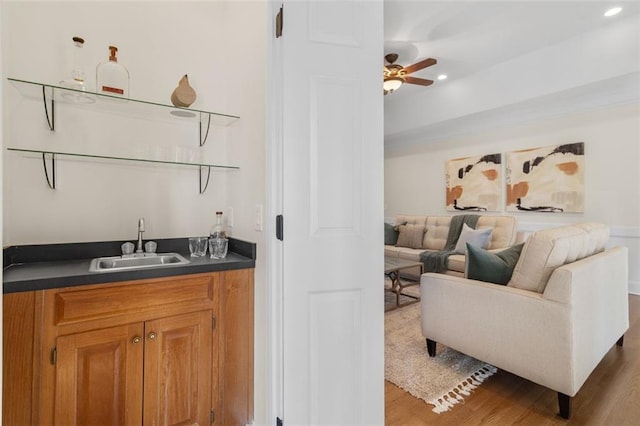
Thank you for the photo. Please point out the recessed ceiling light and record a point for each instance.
(613, 11)
(442, 77)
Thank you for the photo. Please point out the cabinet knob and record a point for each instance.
(152, 336)
(136, 339)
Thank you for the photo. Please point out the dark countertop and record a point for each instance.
(41, 267)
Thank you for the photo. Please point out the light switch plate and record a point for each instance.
(230, 217)
(258, 219)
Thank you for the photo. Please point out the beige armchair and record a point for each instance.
(563, 310)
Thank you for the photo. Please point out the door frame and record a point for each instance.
(274, 207)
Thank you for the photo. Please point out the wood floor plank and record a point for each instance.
(610, 396)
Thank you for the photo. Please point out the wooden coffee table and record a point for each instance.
(392, 268)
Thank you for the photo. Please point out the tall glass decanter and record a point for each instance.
(76, 79)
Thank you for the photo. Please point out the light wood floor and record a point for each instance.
(610, 396)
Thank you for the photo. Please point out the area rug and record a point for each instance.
(442, 381)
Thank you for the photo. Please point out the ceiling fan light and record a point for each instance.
(613, 11)
(442, 77)
(392, 83)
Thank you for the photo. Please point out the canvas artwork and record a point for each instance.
(548, 179)
(474, 183)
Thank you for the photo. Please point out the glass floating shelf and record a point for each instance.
(116, 158)
(104, 102)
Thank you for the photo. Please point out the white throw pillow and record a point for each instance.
(475, 237)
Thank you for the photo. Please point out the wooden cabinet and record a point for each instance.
(177, 370)
(149, 352)
(99, 377)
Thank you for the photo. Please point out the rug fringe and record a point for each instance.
(455, 395)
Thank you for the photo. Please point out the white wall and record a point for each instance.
(220, 45)
(415, 173)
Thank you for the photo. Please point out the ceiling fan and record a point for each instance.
(395, 75)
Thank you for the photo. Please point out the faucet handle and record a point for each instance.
(150, 247)
(127, 248)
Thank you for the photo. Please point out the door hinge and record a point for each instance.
(54, 355)
(279, 22)
(278, 421)
(212, 416)
(213, 322)
(279, 226)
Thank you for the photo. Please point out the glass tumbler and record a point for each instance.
(198, 246)
(218, 247)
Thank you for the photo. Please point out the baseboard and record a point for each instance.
(634, 287)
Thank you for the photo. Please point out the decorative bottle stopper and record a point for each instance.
(183, 95)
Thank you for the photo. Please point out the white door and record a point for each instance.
(332, 203)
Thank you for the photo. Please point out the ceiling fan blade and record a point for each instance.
(420, 65)
(419, 81)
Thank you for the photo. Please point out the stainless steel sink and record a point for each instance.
(123, 263)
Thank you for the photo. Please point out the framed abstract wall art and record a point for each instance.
(547, 179)
(474, 183)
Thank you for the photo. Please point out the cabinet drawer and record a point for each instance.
(133, 299)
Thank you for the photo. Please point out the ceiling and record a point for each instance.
(507, 62)
(470, 36)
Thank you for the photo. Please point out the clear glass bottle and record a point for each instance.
(112, 78)
(217, 230)
(76, 81)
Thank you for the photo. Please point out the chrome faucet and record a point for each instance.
(139, 248)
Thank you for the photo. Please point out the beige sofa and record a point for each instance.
(503, 235)
(563, 309)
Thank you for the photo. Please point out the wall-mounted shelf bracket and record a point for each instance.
(50, 120)
(205, 122)
(50, 176)
(203, 187)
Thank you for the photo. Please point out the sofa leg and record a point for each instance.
(564, 403)
(620, 341)
(431, 347)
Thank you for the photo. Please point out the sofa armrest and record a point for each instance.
(597, 290)
(599, 272)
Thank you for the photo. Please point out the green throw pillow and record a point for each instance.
(390, 235)
(496, 268)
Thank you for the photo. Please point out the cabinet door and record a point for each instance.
(177, 370)
(99, 377)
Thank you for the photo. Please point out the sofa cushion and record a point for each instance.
(504, 230)
(456, 262)
(391, 251)
(410, 254)
(438, 227)
(411, 236)
(497, 268)
(476, 237)
(548, 249)
(390, 234)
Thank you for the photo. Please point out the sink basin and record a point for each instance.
(119, 263)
